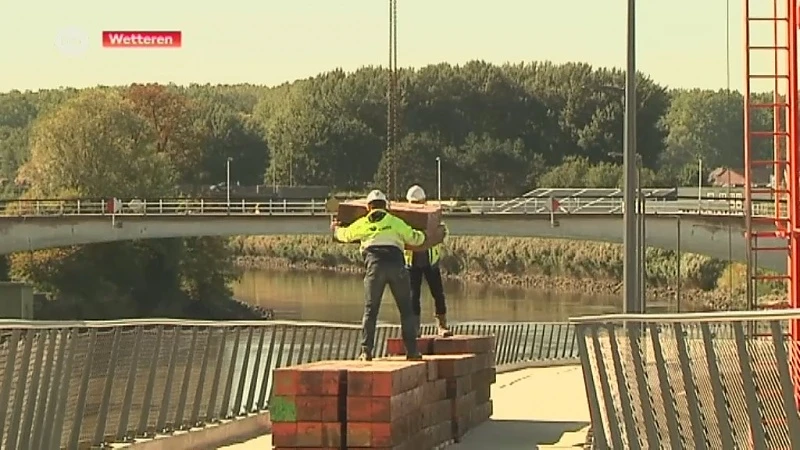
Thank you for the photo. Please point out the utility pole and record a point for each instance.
(630, 260)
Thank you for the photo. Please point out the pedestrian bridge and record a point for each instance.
(711, 228)
(703, 380)
(74, 385)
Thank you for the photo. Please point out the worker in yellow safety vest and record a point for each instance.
(426, 264)
(383, 238)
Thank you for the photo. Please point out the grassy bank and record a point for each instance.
(570, 266)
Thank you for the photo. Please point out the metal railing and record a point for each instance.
(79, 384)
(597, 196)
(700, 381)
(241, 207)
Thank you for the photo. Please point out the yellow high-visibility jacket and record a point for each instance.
(380, 228)
(434, 253)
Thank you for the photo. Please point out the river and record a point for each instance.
(335, 297)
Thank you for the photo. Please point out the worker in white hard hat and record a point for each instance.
(426, 264)
(383, 238)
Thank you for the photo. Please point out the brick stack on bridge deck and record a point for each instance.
(389, 403)
(467, 366)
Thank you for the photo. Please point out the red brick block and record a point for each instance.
(442, 434)
(435, 390)
(395, 346)
(484, 361)
(461, 425)
(317, 409)
(384, 378)
(462, 406)
(456, 387)
(285, 382)
(481, 413)
(431, 366)
(486, 377)
(483, 394)
(318, 434)
(435, 413)
(324, 378)
(372, 434)
(284, 434)
(463, 344)
(451, 366)
(305, 448)
(384, 409)
(319, 378)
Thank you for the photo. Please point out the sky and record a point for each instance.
(680, 43)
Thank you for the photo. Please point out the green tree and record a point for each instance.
(97, 145)
(704, 124)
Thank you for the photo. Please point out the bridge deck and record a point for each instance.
(525, 413)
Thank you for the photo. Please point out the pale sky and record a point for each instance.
(681, 43)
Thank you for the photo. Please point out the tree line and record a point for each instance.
(499, 131)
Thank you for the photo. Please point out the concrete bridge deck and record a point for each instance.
(525, 413)
(692, 233)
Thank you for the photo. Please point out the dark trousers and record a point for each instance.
(381, 273)
(433, 276)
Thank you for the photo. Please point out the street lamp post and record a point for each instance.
(439, 179)
(228, 181)
(699, 180)
(630, 284)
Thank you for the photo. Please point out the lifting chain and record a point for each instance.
(392, 114)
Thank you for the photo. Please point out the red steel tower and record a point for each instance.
(770, 35)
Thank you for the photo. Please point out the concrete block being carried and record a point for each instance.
(426, 218)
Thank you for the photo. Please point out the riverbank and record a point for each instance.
(554, 265)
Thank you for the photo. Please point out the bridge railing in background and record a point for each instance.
(241, 207)
(79, 384)
(702, 381)
(161, 207)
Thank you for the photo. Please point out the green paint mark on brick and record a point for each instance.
(283, 409)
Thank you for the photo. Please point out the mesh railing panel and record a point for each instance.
(690, 384)
(78, 385)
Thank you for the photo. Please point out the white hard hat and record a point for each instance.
(375, 196)
(415, 194)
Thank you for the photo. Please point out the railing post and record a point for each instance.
(160, 206)
(313, 208)
(202, 206)
(285, 207)
(78, 206)
(244, 207)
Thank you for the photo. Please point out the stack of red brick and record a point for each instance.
(466, 365)
(385, 404)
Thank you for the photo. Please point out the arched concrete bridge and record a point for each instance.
(701, 231)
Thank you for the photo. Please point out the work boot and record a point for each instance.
(441, 326)
(365, 355)
(416, 356)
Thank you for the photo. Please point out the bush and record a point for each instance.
(518, 257)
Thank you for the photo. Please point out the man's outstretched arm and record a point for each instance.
(351, 233)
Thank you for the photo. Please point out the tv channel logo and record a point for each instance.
(72, 41)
